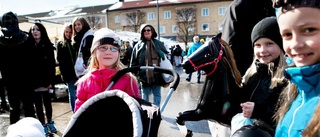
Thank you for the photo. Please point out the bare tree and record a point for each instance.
(135, 19)
(186, 22)
(94, 22)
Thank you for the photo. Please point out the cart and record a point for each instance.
(115, 113)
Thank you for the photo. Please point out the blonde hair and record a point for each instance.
(276, 76)
(63, 38)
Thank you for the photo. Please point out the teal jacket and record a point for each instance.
(302, 108)
(193, 48)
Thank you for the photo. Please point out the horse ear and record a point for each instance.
(219, 35)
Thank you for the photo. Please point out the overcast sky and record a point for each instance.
(22, 7)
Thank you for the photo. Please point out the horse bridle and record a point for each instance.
(214, 62)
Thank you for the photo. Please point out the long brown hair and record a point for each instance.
(290, 93)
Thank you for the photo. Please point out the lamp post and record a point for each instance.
(158, 20)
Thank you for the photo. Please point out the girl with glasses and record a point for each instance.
(104, 64)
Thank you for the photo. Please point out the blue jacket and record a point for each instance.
(302, 108)
(193, 48)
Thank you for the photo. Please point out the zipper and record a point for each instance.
(295, 112)
(254, 90)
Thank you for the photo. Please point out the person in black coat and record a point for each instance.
(15, 67)
(238, 22)
(43, 75)
(66, 56)
(264, 80)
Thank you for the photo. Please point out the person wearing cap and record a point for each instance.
(264, 80)
(299, 24)
(103, 65)
(15, 67)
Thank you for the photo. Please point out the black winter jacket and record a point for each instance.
(66, 56)
(44, 65)
(257, 90)
(15, 58)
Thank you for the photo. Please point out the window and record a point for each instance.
(191, 28)
(150, 16)
(220, 26)
(204, 12)
(205, 27)
(167, 15)
(175, 29)
(162, 29)
(116, 19)
(222, 11)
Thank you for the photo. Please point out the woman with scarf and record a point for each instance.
(147, 52)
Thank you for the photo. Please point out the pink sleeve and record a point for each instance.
(128, 85)
(81, 97)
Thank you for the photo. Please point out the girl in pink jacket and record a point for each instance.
(103, 65)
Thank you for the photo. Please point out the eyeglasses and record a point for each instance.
(105, 48)
(146, 30)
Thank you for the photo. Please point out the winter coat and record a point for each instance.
(86, 37)
(139, 59)
(193, 48)
(258, 90)
(237, 27)
(15, 58)
(98, 81)
(44, 65)
(302, 109)
(66, 56)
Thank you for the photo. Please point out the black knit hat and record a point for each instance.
(290, 4)
(267, 28)
(9, 20)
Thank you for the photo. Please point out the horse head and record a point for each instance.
(206, 57)
(219, 100)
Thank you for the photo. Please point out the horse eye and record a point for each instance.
(207, 55)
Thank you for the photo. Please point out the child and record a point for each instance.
(263, 81)
(104, 64)
(66, 56)
(299, 23)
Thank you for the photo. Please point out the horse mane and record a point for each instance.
(231, 62)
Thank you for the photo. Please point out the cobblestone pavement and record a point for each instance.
(185, 97)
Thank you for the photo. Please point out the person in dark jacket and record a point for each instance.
(238, 22)
(148, 52)
(82, 39)
(66, 56)
(127, 54)
(15, 67)
(264, 80)
(43, 65)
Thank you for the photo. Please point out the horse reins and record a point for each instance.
(214, 62)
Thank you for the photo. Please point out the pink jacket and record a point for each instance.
(99, 80)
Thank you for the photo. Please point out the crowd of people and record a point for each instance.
(280, 88)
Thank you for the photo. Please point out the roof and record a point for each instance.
(153, 3)
(70, 10)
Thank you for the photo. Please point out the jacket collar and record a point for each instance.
(306, 78)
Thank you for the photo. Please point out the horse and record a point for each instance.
(219, 100)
